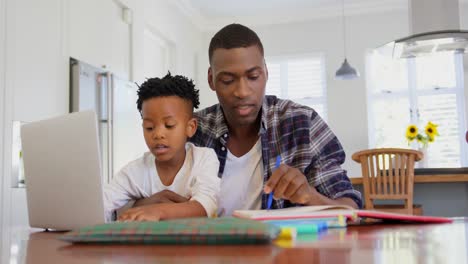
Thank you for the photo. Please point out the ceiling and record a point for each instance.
(210, 14)
(260, 7)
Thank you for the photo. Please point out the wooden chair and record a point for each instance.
(388, 174)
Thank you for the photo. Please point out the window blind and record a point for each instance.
(301, 80)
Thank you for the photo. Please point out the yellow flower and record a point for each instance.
(411, 132)
(431, 130)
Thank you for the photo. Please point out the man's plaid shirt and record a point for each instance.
(295, 132)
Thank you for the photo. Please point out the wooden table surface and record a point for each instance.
(378, 243)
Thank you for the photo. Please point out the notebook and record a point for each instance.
(63, 172)
(226, 230)
(328, 211)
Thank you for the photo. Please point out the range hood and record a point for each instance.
(435, 28)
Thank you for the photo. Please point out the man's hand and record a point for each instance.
(164, 196)
(142, 213)
(289, 183)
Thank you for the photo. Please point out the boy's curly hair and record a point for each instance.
(169, 85)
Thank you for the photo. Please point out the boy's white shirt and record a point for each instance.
(198, 179)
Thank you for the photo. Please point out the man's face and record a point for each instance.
(238, 76)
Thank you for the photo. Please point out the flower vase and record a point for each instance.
(424, 162)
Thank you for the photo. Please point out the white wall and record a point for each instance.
(36, 69)
(347, 111)
(99, 35)
(207, 96)
(36, 80)
(179, 31)
(40, 38)
(3, 247)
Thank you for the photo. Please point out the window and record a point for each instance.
(300, 79)
(418, 90)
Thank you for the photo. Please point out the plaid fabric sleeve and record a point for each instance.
(325, 173)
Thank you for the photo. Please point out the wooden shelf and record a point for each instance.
(429, 178)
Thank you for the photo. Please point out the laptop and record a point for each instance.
(62, 168)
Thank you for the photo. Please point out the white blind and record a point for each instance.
(299, 79)
(274, 79)
(305, 79)
(442, 110)
(428, 93)
(390, 118)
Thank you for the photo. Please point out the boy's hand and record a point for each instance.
(164, 196)
(142, 213)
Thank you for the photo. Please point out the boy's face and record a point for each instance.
(238, 76)
(167, 122)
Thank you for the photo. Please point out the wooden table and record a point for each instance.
(442, 243)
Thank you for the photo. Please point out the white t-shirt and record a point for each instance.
(242, 182)
(198, 179)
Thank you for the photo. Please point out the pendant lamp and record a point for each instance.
(346, 71)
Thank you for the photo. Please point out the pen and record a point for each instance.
(270, 196)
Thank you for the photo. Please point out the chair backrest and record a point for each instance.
(388, 174)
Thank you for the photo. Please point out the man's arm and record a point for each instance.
(325, 182)
(165, 196)
(164, 211)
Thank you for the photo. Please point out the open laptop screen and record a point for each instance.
(63, 171)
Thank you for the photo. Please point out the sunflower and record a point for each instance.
(429, 123)
(411, 132)
(431, 130)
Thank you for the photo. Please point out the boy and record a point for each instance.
(180, 179)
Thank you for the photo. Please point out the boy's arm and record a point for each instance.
(119, 192)
(164, 211)
(205, 192)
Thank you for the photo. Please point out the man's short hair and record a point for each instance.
(234, 36)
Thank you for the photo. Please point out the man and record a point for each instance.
(249, 130)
